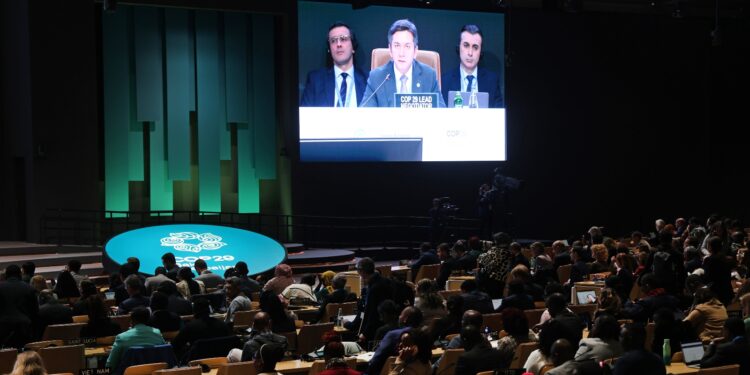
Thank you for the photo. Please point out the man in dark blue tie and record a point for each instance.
(468, 77)
(341, 84)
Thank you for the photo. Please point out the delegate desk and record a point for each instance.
(678, 368)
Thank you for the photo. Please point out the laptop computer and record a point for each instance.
(483, 99)
(693, 353)
(586, 297)
(496, 303)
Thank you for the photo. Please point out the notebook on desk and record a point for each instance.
(693, 353)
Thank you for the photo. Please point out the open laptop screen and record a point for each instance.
(693, 352)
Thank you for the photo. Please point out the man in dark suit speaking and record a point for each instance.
(403, 74)
(341, 85)
(467, 76)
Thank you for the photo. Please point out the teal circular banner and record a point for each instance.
(221, 247)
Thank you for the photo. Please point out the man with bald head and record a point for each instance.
(260, 334)
(410, 318)
(562, 357)
(470, 318)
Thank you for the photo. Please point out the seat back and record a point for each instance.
(145, 369)
(384, 270)
(213, 362)
(650, 328)
(310, 337)
(180, 371)
(213, 347)
(448, 293)
(169, 335)
(244, 319)
(138, 355)
(332, 309)
(428, 272)
(317, 366)
(723, 370)
(522, 354)
(80, 319)
(63, 331)
(237, 368)
(381, 56)
(494, 321)
(563, 273)
(7, 360)
(534, 316)
(58, 359)
(486, 373)
(448, 363)
(453, 284)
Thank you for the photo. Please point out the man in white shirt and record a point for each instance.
(303, 290)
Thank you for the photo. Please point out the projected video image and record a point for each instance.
(400, 84)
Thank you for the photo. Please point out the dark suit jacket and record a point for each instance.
(321, 84)
(337, 296)
(639, 362)
(425, 259)
(487, 81)
(645, 308)
(479, 301)
(179, 305)
(479, 358)
(519, 301)
(386, 348)
(378, 290)
(129, 304)
(733, 352)
(466, 263)
(204, 328)
(423, 80)
(52, 313)
(18, 303)
(165, 321)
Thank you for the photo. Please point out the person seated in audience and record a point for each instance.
(561, 256)
(134, 287)
(636, 240)
(236, 298)
(443, 251)
(160, 276)
(549, 333)
(561, 354)
(717, 271)
(478, 354)
(707, 316)
(475, 299)
(469, 317)
(462, 263)
(27, 271)
(28, 363)
(88, 289)
(693, 259)
(276, 307)
(572, 323)
(603, 341)
(170, 264)
(655, 299)
(161, 317)
(580, 270)
(202, 326)
(516, 327)
(427, 256)
(51, 312)
(378, 289)
(39, 284)
(601, 260)
(494, 266)
(260, 335)
(301, 291)
(731, 348)
(248, 285)
(325, 285)
(622, 280)
(521, 273)
(117, 286)
(642, 261)
(414, 354)
(543, 268)
(451, 323)
(428, 301)
(139, 335)
(517, 297)
(177, 303)
(74, 267)
(208, 278)
(282, 278)
(333, 354)
(389, 313)
(518, 257)
(637, 360)
(410, 319)
(187, 285)
(338, 295)
(66, 287)
(667, 327)
(266, 359)
(99, 324)
(609, 303)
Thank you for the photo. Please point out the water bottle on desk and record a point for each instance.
(666, 351)
(458, 101)
(339, 319)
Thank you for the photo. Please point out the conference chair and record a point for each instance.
(7, 360)
(213, 347)
(448, 363)
(170, 335)
(213, 362)
(138, 355)
(237, 368)
(381, 56)
(385, 270)
(58, 359)
(428, 272)
(63, 331)
(453, 284)
(80, 319)
(723, 370)
(563, 273)
(244, 319)
(678, 357)
(448, 293)
(332, 309)
(522, 354)
(534, 316)
(310, 337)
(486, 373)
(145, 369)
(493, 321)
(180, 371)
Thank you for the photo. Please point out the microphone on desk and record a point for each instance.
(387, 77)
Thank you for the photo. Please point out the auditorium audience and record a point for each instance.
(66, 287)
(248, 285)
(136, 298)
(325, 285)
(99, 324)
(202, 326)
(542, 265)
(333, 354)
(622, 280)
(276, 308)
(561, 355)
(18, 309)
(427, 256)
(580, 270)
(707, 316)
(516, 328)
(302, 290)
(603, 341)
(429, 301)
(74, 267)
(478, 354)
(260, 334)
(160, 276)
(494, 266)
(469, 318)
(51, 312)
(414, 354)
(139, 335)
(550, 332)
(377, 289)
(209, 279)
(161, 317)
(521, 273)
(388, 312)
(601, 259)
(717, 272)
(559, 312)
(170, 265)
(732, 348)
(475, 299)
(637, 360)
(667, 327)
(655, 298)
(461, 263)
(27, 271)
(177, 304)
(282, 278)
(517, 297)
(88, 289)
(266, 359)
(338, 295)
(187, 286)
(236, 298)
(29, 363)
(410, 319)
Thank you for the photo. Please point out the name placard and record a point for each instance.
(95, 371)
(88, 341)
(416, 100)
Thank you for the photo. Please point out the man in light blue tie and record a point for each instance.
(403, 74)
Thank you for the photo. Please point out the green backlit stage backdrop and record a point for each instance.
(188, 109)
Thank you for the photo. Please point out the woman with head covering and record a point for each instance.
(325, 285)
(282, 278)
(66, 286)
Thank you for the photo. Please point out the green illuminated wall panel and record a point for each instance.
(264, 96)
(180, 73)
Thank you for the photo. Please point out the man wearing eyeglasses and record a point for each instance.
(342, 84)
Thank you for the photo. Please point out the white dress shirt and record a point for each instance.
(351, 97)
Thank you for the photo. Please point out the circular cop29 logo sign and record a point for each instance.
(221, 247)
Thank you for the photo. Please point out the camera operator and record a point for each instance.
(484, 210)
(441, 210)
